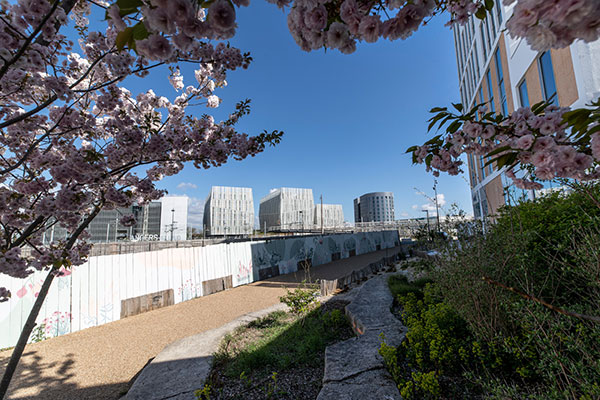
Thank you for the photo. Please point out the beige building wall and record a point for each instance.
(576, 71)
(564, 75)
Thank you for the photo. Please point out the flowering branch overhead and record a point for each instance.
(547, 141)
(75, 140)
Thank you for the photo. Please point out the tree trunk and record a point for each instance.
(25, 333)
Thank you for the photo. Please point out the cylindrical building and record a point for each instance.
(374, 207)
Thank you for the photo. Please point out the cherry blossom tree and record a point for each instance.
(75, 140)
(545, 142)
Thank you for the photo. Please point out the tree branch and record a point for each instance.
(490, 281)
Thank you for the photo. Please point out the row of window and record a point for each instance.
(468, 50)
(548, 83)
(229, 195)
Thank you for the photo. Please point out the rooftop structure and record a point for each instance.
(287, 209)
(229, 211)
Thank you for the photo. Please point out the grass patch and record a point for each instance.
(399, 285)
(280, 341)
(281, 355)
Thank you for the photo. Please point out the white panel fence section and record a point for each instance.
(91, 294)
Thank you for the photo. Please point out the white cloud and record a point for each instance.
(415, 207)
(195, 212)
(431, 205)
(186, 185)
(404, 214)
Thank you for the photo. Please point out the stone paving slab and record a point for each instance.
(354, 370)
(369, 385)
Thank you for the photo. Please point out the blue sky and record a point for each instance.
(348, 119)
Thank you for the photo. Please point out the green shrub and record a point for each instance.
(334, 319)
(301, 300)
(437, 336)
(548, 249)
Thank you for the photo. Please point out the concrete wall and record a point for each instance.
(91, 294)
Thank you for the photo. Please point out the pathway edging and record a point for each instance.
(354, 370)
(183, 366)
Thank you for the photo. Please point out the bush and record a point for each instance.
(399, 285)
(548, 251)
(300, 301)
(440, 347)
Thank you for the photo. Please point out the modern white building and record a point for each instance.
(374, 207)
(505, 74)
(333, 216)
(164, 219)
(229, 211)
(173, 217)
(287, 209)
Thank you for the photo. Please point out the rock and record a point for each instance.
(369, 385)
(353, 368)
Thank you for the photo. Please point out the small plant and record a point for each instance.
(39, 333)
(424, 385)
(334, 319)
(246, 379)
(300, 301)
(272, 386)
(399, 285)
(204, 393)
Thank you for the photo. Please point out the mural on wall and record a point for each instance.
(243, 273)
(273, 258)
(91, 294)
(349, 246)
(189, 290)
(59, 323)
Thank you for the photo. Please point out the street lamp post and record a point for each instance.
(437, 208)
(172, 223)
(428, 231)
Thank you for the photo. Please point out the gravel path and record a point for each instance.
(102, 362)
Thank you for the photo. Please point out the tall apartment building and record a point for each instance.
(106, 227)
(165, 219)
(333, 216)
(505, 74)
(374, 207)
(287, 209)
(229, 211)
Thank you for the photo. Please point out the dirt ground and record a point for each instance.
(102, 362)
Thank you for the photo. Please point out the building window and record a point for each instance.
(483, 41)
(478, 72)
(490, 91)
(491, 18)
(490, 40)
(481, 102)
(547, 78)
(500, 76)
(499, 12)
(472, 167)
(482, 163)
(523, 95)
